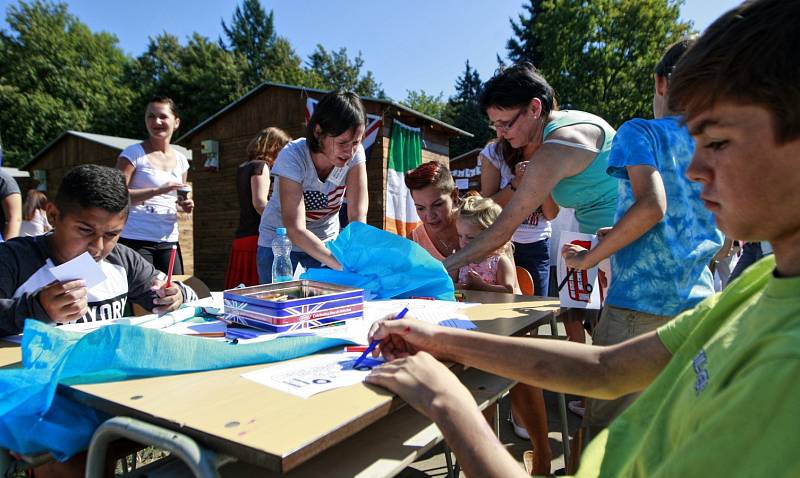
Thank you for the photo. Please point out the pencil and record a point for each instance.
(207, 334)
(172, 255)
(566, 278)
(375, 343)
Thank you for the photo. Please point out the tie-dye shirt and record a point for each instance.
(665, 271)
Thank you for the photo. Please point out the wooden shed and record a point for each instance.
(73, 148)
(283, 106)
(466, 170)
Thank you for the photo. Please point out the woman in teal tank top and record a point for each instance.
(567, 155)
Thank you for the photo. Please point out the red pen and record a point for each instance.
(172, 255)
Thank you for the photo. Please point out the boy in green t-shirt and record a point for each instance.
(720, 381)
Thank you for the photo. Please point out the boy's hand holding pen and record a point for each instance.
(168, 296)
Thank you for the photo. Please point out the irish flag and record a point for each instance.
(405, 154)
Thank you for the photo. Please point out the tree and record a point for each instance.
(600, 55)
(269, 57)
(334, 69)
(433, 106)
(200, 77)
(463, 112)
(527, 44)
(55, 74)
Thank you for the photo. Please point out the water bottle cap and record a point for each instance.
(281, 231)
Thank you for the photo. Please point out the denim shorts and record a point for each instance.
(535, 257)
(264, 259)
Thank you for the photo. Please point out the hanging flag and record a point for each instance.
(405, 154)
(374, 123)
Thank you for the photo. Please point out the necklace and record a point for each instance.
(447, 247)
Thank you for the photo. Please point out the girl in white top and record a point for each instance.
(154, 173)
(34, 217)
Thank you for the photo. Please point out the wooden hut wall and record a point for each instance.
(217, 208)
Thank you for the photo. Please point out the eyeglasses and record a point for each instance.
(506, 127)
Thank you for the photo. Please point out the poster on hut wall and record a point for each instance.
(579, 289)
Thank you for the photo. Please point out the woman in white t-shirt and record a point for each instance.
(312, 177)
(502, 168)
(154, 173)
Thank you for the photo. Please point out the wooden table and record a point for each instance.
(273, 430)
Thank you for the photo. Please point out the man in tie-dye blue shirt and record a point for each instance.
(663, 238)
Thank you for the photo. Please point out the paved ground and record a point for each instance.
(433, 464)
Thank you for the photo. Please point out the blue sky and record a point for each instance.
(408, 44)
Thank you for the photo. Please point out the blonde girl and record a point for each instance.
(495, 273)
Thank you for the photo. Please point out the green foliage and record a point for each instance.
(55, 75)
(200, 77)
(526, 44)
(433, 106)
(269, 57)
(334, 69)
(463, 111)
(600, 55)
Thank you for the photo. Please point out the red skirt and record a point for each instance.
(242, 267)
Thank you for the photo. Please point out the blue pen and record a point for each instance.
(376, 342)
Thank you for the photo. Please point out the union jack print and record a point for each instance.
(320, 205)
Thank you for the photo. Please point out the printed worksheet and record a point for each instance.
(312, 375)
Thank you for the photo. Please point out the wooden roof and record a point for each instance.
(267, 84)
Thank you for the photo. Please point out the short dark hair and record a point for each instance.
(672, 55)
(336, 113)
(167, 101)
(748, 55)
(516, 86)
(92, 186)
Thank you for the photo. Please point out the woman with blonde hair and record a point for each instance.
(34, 216)
(253, 185)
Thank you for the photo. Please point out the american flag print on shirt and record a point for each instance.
(320, 205)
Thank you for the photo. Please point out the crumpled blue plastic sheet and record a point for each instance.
(34, 418)
(385, 265)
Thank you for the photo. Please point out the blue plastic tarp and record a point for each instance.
(385, 265)
(34, 418)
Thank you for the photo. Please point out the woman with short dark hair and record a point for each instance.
(312, 177)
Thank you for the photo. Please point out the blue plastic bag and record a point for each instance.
(35, 419)
(385, 265)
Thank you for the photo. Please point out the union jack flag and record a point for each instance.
(320, 205)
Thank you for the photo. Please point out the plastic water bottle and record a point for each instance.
(282, 263)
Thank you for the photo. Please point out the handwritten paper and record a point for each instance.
(312, 375)
(82, 267)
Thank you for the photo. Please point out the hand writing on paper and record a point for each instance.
(577, 257)
(167, 298)
(401, 338)
(424, 382)
(64, 301)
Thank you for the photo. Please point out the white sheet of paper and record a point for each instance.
(582, 290)
(318, 373)
(82, 267)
